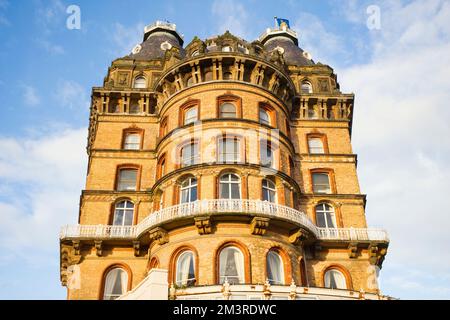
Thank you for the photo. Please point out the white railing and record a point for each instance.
(164, 24)
(350, 234)
(211, 207)
(274, 31)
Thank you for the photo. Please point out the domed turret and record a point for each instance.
(158, 38)
(285, 40)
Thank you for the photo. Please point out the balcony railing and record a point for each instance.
(218, 207)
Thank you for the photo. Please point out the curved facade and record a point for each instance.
(222, 169)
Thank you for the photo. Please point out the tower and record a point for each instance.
(221, 170)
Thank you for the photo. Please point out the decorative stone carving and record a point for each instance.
(297, 237)
(226, 290)
(259, 225)
(203, 225)
(158, 234)
(137, 248)
(77, 247)
(377, 254)
(353, 250)
(266, 290)
(293, 291)
(98, 244)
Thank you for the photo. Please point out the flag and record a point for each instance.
(280, 21)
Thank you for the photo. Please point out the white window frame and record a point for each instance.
(193, 158)
(192, 183)
(320, 185)
(223, 153)
(138, 84)
(327, 211)
(114, 296)
(228, 183)
(268, 187)
(190, 281)
(316, 149)
(127, 145)
(222, 278)
(280, 265)
(227, 115)
(125, 211)
(190, 118)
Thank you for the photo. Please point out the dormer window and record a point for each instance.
(195, 53)
(227, 49)
(140, 83)
(307, 87)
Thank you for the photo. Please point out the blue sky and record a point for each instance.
(398, 72)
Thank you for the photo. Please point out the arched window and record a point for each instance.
(127, 179)
(140, 83)
(163, 127)
(334, 279)
(325, 217)
(269, 190)
(135, 109)
(315, 145)
(229, 186)
(123, 213)
(312, 113)
(264, 116)
(132, 141)
(116, 283)
(231, 266)
(185, 271)
(190, 155)
(227, 110)
(189, 82)
(229, 150)
(188, 190)
(306, 87)
(275, 270)
(266, 154)
(208, 76)
(190, 115)
(227, 76)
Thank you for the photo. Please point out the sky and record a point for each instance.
(399, 70)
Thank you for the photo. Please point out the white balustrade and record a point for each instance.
(221, 206)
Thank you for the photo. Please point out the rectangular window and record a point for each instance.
(321, 183)
(315, 146)
(127, 180)
(132, 141)
(229, 150)
(190, 155)
(266, 154)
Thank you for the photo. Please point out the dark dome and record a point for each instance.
(151, 48)
(293, 55)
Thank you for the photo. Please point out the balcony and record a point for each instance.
(221, 207)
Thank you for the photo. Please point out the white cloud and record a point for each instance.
(3, 20)
(126, 38)
(314, 38)
(53, 49)
(50, 16)
(42, 179)
(72, 95)
(30, 96)
(401, 135)
(232, 16)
